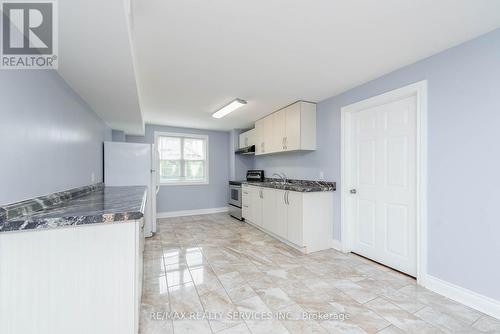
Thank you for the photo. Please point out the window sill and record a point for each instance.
(196, 183)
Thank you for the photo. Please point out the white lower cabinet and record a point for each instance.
(304, 220)
(78, 279)
(268, 209)
(256, 206)
(246, 197)
(294, 218)
(281, 215)
(252, 201)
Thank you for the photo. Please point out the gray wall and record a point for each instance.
(463, 158)
(50, 139)
(117, 135)
(193, 197)
(239, 163)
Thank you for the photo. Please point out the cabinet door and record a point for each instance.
(292, 127)
(250, 136)
(269, 209)
(243, 140)
(256, 206)
(259, 137)
(246, 203)
(294, 212)
(268, 135)
(278, 134)
(281, 214)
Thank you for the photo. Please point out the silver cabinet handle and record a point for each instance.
(284, 197)
(353, 191)
(286, 143)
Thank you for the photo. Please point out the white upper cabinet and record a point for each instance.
(264, 135)
(292, 139)
(292, 128)
(259, 136)
(247, 138)
(279, 130)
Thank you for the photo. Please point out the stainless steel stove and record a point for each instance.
(254, 175)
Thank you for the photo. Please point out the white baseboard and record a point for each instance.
(337, 245)
(469, 298)
(170, 214)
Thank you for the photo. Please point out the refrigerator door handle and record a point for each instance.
(157, 183)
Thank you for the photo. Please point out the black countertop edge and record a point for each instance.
(51, 223)
(93, 205)
(27, 207)
(295, 185)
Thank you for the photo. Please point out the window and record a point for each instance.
(182, 158)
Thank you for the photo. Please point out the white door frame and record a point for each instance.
(419, 90)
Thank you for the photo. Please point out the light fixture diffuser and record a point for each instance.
(232, 106)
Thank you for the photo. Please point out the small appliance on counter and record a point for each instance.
(253, 175)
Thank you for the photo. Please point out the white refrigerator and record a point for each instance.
(131, 164)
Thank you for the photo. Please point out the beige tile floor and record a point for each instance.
(216, 266)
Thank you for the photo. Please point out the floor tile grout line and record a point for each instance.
(390, 324)
(393, 304)
(246, 282)
(198, 294)
(168, 290)
(475, 321)
(365, 274)
(223, 287)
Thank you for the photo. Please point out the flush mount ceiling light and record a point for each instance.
(232, 106)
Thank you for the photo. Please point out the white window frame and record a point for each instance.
(158, 134)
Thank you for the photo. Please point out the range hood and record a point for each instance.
(246, 150)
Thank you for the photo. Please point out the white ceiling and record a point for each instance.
(186, 58)
(195, 56)
(95, 59)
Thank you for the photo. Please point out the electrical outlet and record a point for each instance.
(92, 177)
(321, 175)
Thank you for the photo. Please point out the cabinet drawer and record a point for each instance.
(245, 212)
(245, 199)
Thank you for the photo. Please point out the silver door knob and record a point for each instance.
(353, 191)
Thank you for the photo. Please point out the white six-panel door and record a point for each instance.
(383, 194)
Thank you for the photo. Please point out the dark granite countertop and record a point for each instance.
(295, 185)
(86, 205)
